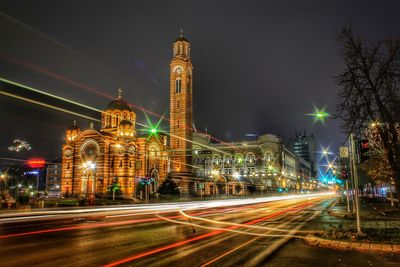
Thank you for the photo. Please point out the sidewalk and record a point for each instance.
(380, 224)
(370, 209)
(350, 245)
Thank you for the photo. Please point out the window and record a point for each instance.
(177, 124)
(177, 104)
(177, 85)
(177, 143)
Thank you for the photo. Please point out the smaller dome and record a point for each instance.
(181, 39)
(125, 122)
(74, 127)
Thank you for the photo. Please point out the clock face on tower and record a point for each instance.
(178, 69)
(90, 151)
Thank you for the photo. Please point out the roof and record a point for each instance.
(74, 127)
(180, 39)
(119, 104)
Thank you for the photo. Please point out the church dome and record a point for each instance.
(119, 104)
(72, 132)
(181, 39)
(74, 127)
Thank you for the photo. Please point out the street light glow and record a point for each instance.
(319, 115)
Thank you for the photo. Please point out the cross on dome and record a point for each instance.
(119, 93)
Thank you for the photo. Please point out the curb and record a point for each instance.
(349, 245)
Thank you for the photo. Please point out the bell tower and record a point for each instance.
(181, 108)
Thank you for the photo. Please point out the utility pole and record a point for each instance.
(355, 179)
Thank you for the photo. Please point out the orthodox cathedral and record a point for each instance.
(92, 159)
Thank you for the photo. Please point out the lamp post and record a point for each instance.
(90, 167)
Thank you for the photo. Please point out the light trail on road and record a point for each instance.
(48, 214)
(291, 234)
(115, 238)
(91, 226)
(207, 235)
(241, 225)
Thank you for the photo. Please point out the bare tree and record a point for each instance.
(369, 92)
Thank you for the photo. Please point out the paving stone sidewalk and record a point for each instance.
(350, 245)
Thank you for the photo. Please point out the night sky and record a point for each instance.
(259, 66)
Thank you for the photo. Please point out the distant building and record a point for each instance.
(53, 176)
(305, 146)
(236, 168)
(18, 177)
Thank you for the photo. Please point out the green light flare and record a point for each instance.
(320, 115)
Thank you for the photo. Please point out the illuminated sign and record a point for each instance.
(32, 172)
(36, 163)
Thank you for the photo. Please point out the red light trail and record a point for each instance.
(92, 89)
(96, 225)
(203, 236)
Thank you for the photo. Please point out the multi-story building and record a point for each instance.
(234, 168)
(305, 146)
(53, 177)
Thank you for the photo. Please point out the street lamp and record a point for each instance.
(89, 166)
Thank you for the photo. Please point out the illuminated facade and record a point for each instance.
(181, 112)
(94, 159)
(239, 168)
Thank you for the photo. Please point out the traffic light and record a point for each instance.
(345, 175)
(364, 149)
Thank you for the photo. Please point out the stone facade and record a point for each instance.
(264, 164)
(181, 112)
(95, 159)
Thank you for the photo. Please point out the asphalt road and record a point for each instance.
(200, 234)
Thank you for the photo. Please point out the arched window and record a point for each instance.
(117, 120)
(178, 86)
